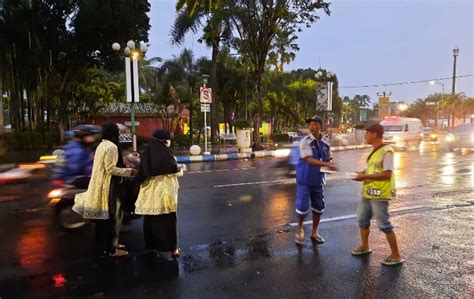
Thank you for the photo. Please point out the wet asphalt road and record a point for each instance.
(236, 221)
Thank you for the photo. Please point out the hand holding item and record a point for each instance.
(360, 177)
(331, 166)
(134, 171)
(183, 167)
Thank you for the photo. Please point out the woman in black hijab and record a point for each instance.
(158, 197)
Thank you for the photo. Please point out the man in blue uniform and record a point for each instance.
(315, 153)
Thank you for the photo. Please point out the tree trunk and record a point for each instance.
(2, 120)
(14, 102)
(191, 123)
(258, 109)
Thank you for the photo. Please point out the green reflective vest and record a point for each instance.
(372, 189)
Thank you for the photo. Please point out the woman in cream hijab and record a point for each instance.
(101, 200)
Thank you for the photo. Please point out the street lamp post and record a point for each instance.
(433, 82)
(325, 78)
(455, 55)
(132, 53)
(453, 91)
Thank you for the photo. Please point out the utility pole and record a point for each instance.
(453, 91)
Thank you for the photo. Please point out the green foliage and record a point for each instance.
(19, 141)
(182, 140)
(242, 123)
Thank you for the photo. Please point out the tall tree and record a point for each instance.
(284, 49)
(257, 23)
(217, 29)
(192, 7)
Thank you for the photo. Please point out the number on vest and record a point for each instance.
(374, 192)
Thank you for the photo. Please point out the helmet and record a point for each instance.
(85, 130)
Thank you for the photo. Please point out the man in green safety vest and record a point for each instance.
(377, 190)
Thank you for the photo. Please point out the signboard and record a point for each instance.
(384, 107)
(324, 97)
(129, 123)
(205, 95)
(131, 80)
(205, 108)
(125, 138)
(363, 115)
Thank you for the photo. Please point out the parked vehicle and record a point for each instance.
(429, 134)
(402, 132)
(461, 137)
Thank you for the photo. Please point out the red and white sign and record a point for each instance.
(205, 95)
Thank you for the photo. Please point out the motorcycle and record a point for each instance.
(61, 200)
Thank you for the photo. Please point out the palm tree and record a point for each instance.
(217, 29)
(181, 76)
(149, 74)
(193, 6)
(284, 48)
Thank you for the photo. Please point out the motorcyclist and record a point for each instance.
(78, 156)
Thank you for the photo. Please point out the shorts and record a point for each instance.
(309, 197)
(377, 209)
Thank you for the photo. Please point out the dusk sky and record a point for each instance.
(369, 42)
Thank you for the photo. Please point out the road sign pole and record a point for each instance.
(205, 134)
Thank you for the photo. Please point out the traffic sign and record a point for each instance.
(205, 108)
(205, 95)
(129, 123)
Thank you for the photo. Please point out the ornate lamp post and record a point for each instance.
(132, 53)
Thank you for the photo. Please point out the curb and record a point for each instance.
(259, 154)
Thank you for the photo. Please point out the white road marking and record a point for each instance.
(219, 170)
(275, 182)
(345, 217)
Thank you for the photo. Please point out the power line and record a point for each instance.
(404, 83)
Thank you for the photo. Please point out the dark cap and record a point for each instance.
(316, 119)
(376, 128)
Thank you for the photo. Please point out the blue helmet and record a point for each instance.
(85, 130)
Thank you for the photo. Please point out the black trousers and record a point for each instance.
(161, 232)
(107, 231)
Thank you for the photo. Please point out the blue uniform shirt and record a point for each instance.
(319, 150)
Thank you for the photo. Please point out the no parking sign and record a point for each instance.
(205, 95)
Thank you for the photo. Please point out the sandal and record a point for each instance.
(318, 239)
(299, 240)
(389, 261)
(177, 253)
(359, 251)
(118, 253)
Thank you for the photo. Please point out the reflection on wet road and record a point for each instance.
(237, 239)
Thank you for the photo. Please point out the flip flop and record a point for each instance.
(299, 240)
(119, 253)
(177, 254)
(358, 251)
(388, 261)
(318, 239)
